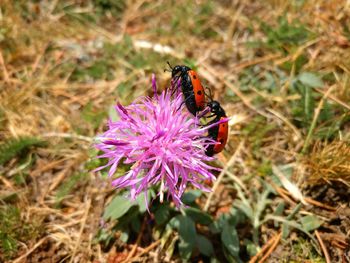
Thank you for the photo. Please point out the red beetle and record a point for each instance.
(218, 133)
(191, 88)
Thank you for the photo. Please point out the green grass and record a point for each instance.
(18, 148)
(13, 229)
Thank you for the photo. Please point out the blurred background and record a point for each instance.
(281, 71)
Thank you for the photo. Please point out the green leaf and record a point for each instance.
(136, 224)
(251, 247)
(285, 226)
(204, 245)
(174, 223)
(294, 224)
(311, 80)
(243, 204)
(117, 208)
(262, 202)
(142, 201)
(236, 216)
(124, 236)
(310, 222)
(185, 226)
(285, 230)
(279, 211)
(187, 234)
(217, 226)
(185, 250)
(308, 107)
(245, 208)
(230, 240)
(187, 230)
(199, 216)
(104, 236)
(304, 108)
(162, 214)
(189, 197)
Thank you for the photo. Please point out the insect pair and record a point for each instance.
(194, 98)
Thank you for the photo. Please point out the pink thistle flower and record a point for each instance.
(164, 144)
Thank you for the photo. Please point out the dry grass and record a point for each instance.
(329, 162)
(63, 64)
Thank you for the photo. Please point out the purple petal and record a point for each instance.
(115, 142)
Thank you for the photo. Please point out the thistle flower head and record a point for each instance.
(163, 144)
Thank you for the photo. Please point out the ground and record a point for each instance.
(281, 71)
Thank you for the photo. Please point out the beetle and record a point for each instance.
(219, 133)
(191, 87)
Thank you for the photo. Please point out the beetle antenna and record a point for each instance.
(171, 68)
(210, 96)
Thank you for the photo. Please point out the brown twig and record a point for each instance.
(337, 239)
(67, 135)
(323, 247)
(272, 248)
(262, 251)
(339, 244)
(138, 240)
(60, 176)
(319, 204)
(287, 122)
(244, 99)
(333, 98)
(284, 195)
(253, 62)
(30, 250)
(272, 243)
(47, 167)
(145, 250)
(38, 59)
(83, 223)
(5, 72)
(308, 200)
